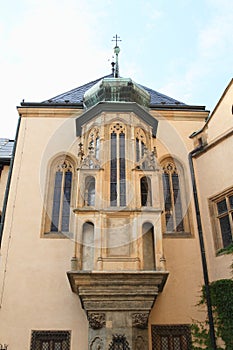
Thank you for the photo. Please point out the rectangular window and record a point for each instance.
(50, 340)
(171, 337)
(222, 215)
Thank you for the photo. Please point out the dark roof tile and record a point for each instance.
(6, 148)
(75, 96)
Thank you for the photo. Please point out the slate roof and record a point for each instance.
(6, 149)
(75, 96)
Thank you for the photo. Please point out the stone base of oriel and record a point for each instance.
(117, 305)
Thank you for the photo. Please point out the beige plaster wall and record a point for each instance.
(222, 119)
(3, 182)
(34, 290)
(214, 170)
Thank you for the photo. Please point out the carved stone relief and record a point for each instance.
(140, 320)
(96, 320)
(140, 343)
(96, 344)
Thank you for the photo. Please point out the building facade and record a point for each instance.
(100, 247)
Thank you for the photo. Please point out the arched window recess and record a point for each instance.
(174, 197)
(62, 183)
(89, 199)
(145, 187)
(117, 165)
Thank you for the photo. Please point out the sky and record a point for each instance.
(181, 48)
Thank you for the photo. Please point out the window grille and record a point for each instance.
(171, 337)
(50, 340)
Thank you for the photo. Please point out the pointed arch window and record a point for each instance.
(145, 184)
(63, 177)
(148, 246)
(173, 206)
(117, 167)
(140, 144)
(88, 246)
(90, 191)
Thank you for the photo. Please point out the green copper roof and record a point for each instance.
(116, 90)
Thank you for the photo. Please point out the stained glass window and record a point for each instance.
(117, 168)
(62, 197)
(172, 198)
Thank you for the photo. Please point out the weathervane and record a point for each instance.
(116, 51)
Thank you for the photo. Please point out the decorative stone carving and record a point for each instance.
(148, 161)
(140, 320)
(140, 343)
(96, 320)
(119, 341)
(96, 344)
(89, 161)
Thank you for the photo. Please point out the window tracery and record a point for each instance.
(117, 165)
(140, 143)
(63, 178)
(172, 197)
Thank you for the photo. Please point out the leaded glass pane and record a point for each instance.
(97, 147)
(222, 206)
(137, 151)
(56, 201)
(231, 202)
(122, 170)
(226, 230)
(144, 191)
(113, 171)
(143, 148)
(66, 202)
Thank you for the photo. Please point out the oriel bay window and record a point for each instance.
(117, 167)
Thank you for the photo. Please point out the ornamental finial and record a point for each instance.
(116, 38)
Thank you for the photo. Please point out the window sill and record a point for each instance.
(59, 235)
(177, 235)
(226, 250)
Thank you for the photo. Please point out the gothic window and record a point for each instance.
(222, 206)
(145, 185)
(173, 211)
(117, 166)
(50, 340)
(88, 246)
(60, 187)
(148, 246)
(171, 337)
(140, 144)
(90, 191)
(61, 197)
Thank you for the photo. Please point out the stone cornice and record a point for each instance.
(128, 290)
